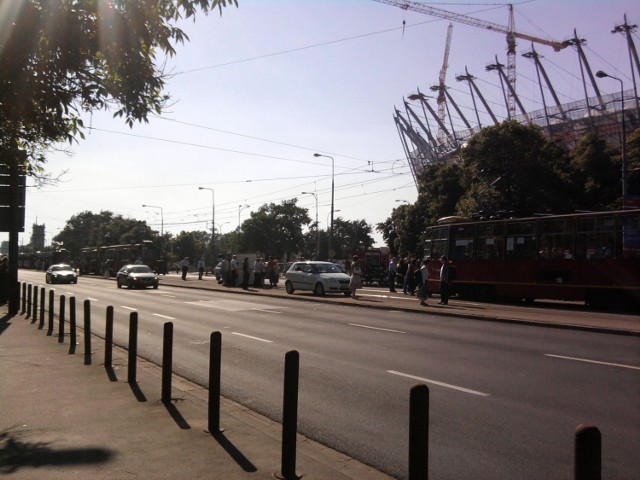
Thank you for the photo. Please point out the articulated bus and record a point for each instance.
(587, 257)
(108, 260)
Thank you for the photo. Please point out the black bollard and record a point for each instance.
(24, 298)
(215, 357)
(51, 307)
(108, 339)
(29, 303)
(167, 362)
(42, 299)
(34, 316)
(133, 347)
(290, 414)
(72, 325)
(61, 319)
(87, 332)
(588, 453)
(419, 433)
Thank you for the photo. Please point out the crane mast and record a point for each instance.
(441, 79)
(509, 30)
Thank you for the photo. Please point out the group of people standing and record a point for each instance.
(415, 277)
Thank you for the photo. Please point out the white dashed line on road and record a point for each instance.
(376, 328)
(163, 316)
(251, 337)
(620, 365)
(129, 308)
(441, 384)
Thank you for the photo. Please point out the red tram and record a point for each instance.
(590, 257)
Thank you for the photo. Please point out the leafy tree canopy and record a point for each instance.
(61, 58)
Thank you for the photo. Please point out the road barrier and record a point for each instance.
(34, 316)
(167, 362)
(28, 306)
(24, 299)
(587, 445)
(61, 314)
(87, 332)
(215, 361)
(72, 325)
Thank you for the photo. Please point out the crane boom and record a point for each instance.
(474, 22)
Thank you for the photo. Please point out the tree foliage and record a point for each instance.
(275, 230)
(61, 58)
(87, 229)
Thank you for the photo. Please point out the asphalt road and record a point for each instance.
(504, 399)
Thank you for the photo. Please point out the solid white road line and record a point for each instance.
(376, 328)
(441, 384)
(621, 365)
(129, 308)
(163, 316)
(252, 338)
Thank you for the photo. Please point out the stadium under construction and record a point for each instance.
(429, 134)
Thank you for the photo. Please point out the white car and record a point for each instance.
(317, 277)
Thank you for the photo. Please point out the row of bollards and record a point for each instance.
(587, 446)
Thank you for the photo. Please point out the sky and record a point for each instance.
(257, 91)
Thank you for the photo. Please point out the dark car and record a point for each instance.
(136, 276)
(61, 273)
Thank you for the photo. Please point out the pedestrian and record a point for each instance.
(423, 291)
(272, 272)
(393, 271)
(245, 274)
(445, 281)
(410, 280)
(184, 265)
(356, 276)
(4, 280)
(256, 272)
(200, 267)
(233, 267)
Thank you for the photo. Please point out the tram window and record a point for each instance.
(629, 236)
(462, 242)
(489, 241)
(595, 238)
(437, 242)
(556, 239)
(521, 241)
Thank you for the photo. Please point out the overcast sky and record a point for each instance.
(257, 91)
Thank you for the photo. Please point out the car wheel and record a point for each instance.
(347, 294)
(129, 284)
(319, 290)
(118, 283)
(288, 286)
(155, 286)
(46, 279)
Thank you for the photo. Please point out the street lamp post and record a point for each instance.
(161, 225)
(219, 225)
(240, 208)
(601, 74)
(213, 222)
(315, 195)
(332, 197)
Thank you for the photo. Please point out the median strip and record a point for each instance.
(441, 384)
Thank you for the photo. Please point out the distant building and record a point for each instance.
(37, 237)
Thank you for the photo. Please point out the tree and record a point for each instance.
(633, 162)
(275, 230)
(88, 229)
(349, 236)
(60, 59)
(596, 173)
(512, 167)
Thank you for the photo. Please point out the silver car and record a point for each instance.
(61, 273)
(317, 277)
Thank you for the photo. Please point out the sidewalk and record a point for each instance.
(549, 314)
(62, 419)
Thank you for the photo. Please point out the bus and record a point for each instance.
(107, 260)
(591, 257)
(41, 260)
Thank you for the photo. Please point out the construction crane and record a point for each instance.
(441, 78)
(475, 22)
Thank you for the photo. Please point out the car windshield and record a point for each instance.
(326, 268)
(140, 269)
(57, 268)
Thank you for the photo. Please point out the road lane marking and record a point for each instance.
(129, 308)
(163, 316)
(621, 365)
(376, 328)
(232, 305)
(93, 299)
(251, 337)
(169, 296)
(441, 384)
(266, 311)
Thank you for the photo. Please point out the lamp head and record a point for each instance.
(317, 155)
(601, 74)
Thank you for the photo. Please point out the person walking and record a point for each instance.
(184, 265)
(245, 274)
(356, 277)
(233, 267)
(445, 281)
(200, 267)
(393, 271)
(423, 290)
